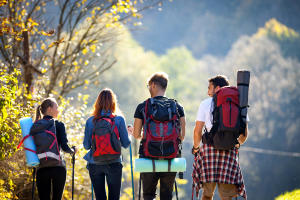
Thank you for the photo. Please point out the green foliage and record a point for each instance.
(13, 106)
(287, 38)
(12, 109)
(293, 195)
(188, 81)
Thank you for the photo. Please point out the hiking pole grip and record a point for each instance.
(73, 169)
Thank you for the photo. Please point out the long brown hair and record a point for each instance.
(106, 101)
(42, 109)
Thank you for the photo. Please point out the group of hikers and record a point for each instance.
(159, 122)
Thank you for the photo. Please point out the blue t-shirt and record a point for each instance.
(89, 126)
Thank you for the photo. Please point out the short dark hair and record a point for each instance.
(219, 80)
(159, 78)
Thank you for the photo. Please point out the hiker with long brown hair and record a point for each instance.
(46, 130)
(105, 133)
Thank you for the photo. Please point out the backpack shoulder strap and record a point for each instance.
(39, 126)
(175, 103)
(145, 110)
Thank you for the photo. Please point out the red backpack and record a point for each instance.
(161, 129)
(106, 143)
(227, 120)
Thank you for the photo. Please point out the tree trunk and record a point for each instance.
(28, 76)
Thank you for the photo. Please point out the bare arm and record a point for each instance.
(137, 128)
(198, 133)
(182, 125)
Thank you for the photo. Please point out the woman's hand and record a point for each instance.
(130, 129)
(74, 150)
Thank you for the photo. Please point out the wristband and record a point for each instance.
(195, 148)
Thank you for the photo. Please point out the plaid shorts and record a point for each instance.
(218, 166)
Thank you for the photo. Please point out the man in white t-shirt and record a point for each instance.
(208, 172)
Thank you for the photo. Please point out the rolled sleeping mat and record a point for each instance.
(146, 165)
(243, 80)
(31, 157)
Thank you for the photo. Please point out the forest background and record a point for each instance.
(189, 40)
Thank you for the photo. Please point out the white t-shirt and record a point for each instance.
(205, 113)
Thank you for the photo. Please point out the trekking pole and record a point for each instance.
(33, 182)
(140, 182)
(176, 192)
(130, 151)
(73, 163)
(132, 181)
(92, 192)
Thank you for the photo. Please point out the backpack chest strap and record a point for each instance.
(48, 154)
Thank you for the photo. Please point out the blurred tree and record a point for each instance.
(64, 36)
(53, 44)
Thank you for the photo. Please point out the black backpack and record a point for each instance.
(44, 134)
(227, 120)
(161, 129)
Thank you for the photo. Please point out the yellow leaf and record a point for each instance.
(84, 51)
(33, 23)
(43, 47)
(75, 63)
(23, 12)
(63, 62)
(60, 83)
(45, 33)
(93, 48)
(86, 62)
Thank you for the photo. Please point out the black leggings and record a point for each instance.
(47, 176)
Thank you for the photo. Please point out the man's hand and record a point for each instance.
(195, 150)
